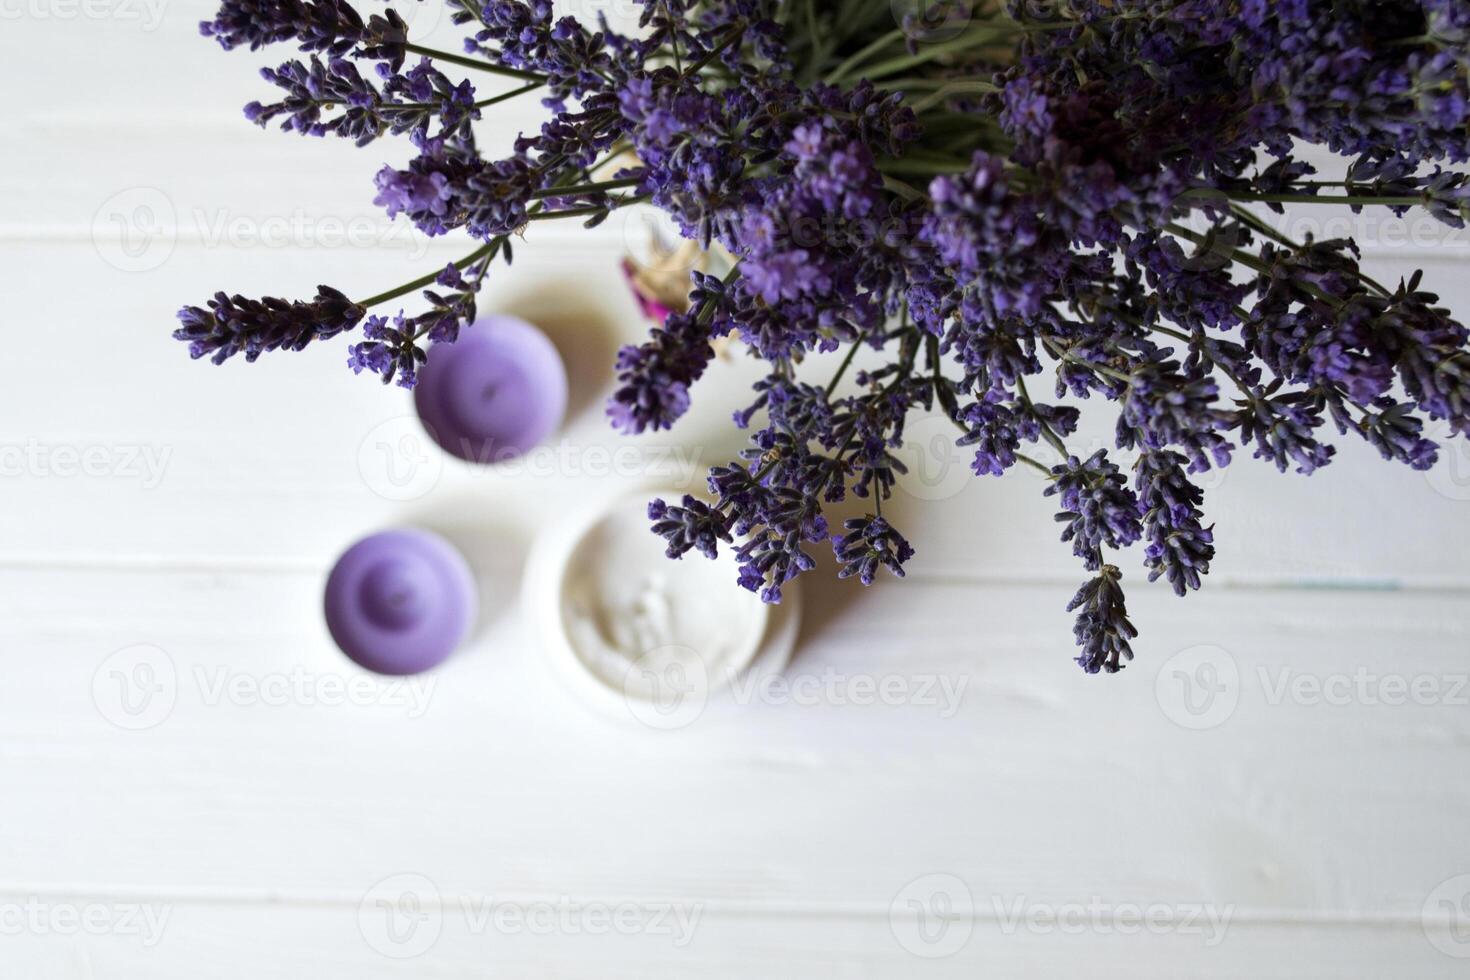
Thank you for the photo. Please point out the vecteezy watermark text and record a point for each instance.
(1098, 917)
(564, 916)
(145, 464)
(934, 915)
(403, 916)
(136, 230)
(399, 461)
(138, 687)
(1363, 686)
(301, 687)
(668, 694)
(47, 917)
(942, 692)
(148, 13)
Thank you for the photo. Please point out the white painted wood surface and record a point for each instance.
(1314, 808)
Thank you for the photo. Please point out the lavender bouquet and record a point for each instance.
(1010, 201)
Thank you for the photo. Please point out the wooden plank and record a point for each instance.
(232, 453)
(306, 190)
(991, 757)
(274, 177)
(243, 941)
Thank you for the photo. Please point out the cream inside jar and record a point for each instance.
(635, 618)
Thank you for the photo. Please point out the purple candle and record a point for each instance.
(493, 394)
(399, 602)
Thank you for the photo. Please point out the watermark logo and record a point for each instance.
(136, 687)
(401, 916)
(404, 915)
(933, 916)
(667, 688)
(1201, 687)
(1450, 477)
(651, 238)
(1376, 228)
(301, 229)
(1198, 688)
(1205, 243)
(139, 687)
(938, 467)
(932, 21)
(135, 230)
(1446, 917)
(421, 16)
(398, 461)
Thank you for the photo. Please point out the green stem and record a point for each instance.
(906, 191)
(426, 280)
(1327, 199)
(915, 166)
(486, 251)
(507, 96)
(971, 39)
(838, 73)
(1262, 227)
(476, 63)
(937, 97)
(1040, 467)
(475, 10)
(612, 154)
(842, 368)
(1046, 429)
(926, 83)
(1022, 457)
(596, 187)
(620, 202)
(707, 308)
(1256, 265)
(736, 30)
(329, 104)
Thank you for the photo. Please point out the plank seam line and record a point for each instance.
(304, 899)
(162, 565)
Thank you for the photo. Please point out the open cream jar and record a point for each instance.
(650, 638)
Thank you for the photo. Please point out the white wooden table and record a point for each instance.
(194, 782)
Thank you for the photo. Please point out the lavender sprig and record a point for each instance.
(231, 325)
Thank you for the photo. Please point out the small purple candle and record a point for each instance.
(401, 601)
(495, 393)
